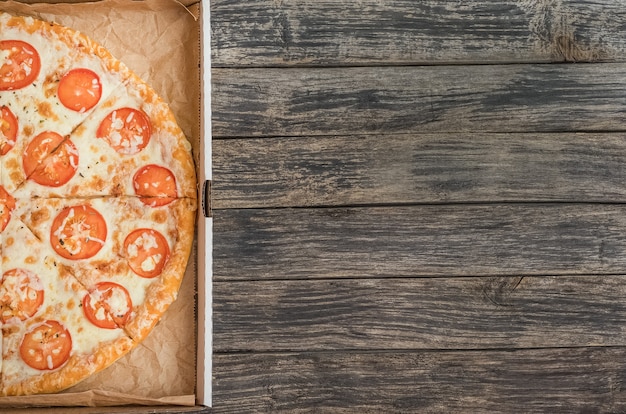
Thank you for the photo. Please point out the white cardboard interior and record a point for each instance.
(205, 225)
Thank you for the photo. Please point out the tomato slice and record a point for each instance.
(127, 130)
(50, 160)
(7, 204)
(38, 149)
(78, 232)
(108, 305)
(21, 295)
(20, 64)
(147, 252)
(80, 90)
(46, 346)
(8, 130)
(155, 185)
(59, 167)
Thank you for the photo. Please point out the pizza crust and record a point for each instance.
(77, 369)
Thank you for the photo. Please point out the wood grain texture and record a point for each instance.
(431, 313)
(384, 100)
(436, 240)
(530, 381)
(400, 32)
(422, 168)
(413, 211)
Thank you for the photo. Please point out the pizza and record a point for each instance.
(97, 207)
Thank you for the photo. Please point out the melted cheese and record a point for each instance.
(100, 314)
(118, 304)
(151, 262)
(4, 56)
(145, 242)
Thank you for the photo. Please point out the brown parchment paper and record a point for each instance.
(159, 41)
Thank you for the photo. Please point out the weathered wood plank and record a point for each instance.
(425, 168)
(529, 381)
(383, 100)
(435, 240)
(430, 313)
(338, 32)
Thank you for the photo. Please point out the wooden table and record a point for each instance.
(419, 206)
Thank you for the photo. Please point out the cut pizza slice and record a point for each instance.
(51, 79)
(130, 256)
(7, 206)
(49, 342)
(129, 146)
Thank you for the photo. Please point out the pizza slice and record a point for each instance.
(48, 341)
(49, 74)
(51, 79)
(129, 146)
(129, 256)
(7, 205)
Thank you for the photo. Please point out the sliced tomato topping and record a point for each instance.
(21, 295)
(8, 130)
(59, 167)
(7, 204)
(108, 305)
(127, 130)
(78, 232)
(46, 346)
(155, 185)
(38, 149)
(50, 160)
(147, 252)
(20, 64)
(80, 90)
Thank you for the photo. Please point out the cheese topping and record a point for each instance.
(117, 303)
(115, 300)
(4, 56)
(100, 314)
(144, 242)
(151, 262)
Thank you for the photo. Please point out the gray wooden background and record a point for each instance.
(419, 205)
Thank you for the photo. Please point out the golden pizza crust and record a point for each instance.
(71, 38)
(77, 368)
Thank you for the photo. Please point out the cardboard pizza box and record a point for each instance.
(142, 34)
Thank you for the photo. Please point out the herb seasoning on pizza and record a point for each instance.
(97, 207)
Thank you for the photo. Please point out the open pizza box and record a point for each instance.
(166, 43)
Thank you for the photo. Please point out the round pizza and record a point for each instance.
(97, 207)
